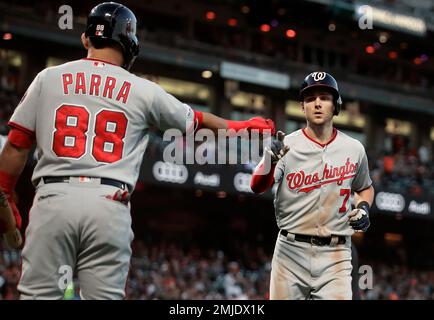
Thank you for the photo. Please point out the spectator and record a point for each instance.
(423, 154)
(166, 271)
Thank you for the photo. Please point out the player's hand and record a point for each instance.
(6, 200)
(261, 124)
(10, 222)
(277, 149)
(359, 217)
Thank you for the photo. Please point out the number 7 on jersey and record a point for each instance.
(346, 193)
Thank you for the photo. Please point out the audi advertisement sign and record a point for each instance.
(396, 203)
(236, 180)
(229, 178)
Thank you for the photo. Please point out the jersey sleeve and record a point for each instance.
(168, 112)
(362, 179)
(24, 116)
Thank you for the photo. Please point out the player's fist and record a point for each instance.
(9, 215)
(10, 221)
(359, 217)
(277, 149)
(261, 124)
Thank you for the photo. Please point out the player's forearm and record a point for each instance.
(213, 122)
(13, 159)
(365, 195)
(262, 180)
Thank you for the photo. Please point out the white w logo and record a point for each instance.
(318, 76)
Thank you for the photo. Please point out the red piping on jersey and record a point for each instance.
(334, 134)
(19, 127)
(99, 60)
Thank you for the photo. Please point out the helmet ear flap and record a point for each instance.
(338, 105)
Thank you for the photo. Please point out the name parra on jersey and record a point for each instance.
(91, 118)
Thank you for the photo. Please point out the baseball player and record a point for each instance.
(89, 119)
(315, 168)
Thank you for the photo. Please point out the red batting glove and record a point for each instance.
(257, 123)
(262, 124)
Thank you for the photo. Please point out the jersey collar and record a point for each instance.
(322, 145)
(99, 60)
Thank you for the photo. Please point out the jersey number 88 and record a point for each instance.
(71, 133)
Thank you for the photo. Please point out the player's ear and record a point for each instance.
(85, 41)
(302, 107)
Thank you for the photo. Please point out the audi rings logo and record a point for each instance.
(242, 182)
(318, 76)
(169, 172)
(390, 202)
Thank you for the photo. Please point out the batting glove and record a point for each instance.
(261, 124)
(359, 217)
(277, 149)
(122, 197)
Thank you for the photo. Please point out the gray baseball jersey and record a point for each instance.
(315, 182)
(91, 119)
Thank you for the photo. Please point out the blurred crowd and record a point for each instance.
(8, 101)
(393, 282)
(9, 273)
(169, 271)
(403, 169)
(245, 42)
